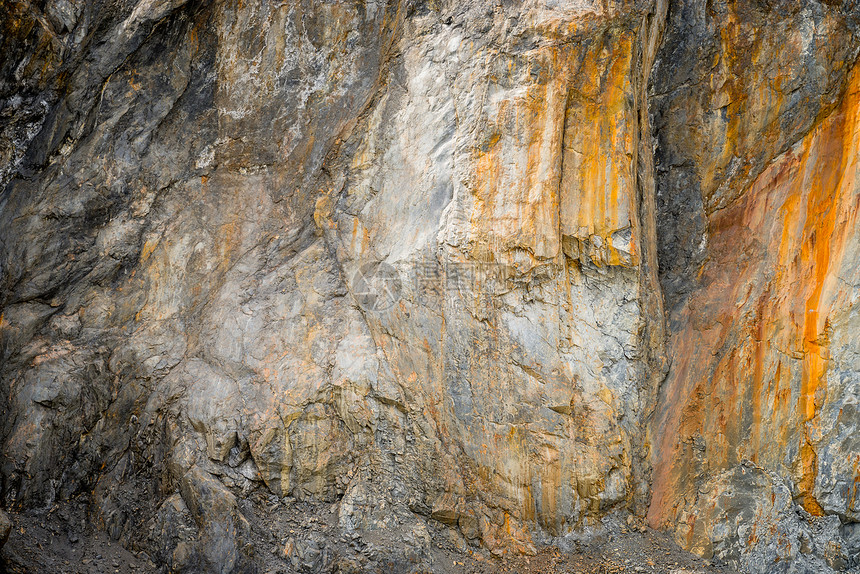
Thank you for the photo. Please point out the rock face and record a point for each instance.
(757, 419)
(5, 528)
(410, 259)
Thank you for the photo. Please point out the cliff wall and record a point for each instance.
(526, 271)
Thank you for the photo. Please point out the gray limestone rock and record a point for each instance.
(403, 259)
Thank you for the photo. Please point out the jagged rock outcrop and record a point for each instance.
(410, 259)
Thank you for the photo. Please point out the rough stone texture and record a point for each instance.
(757, 425)
(5, 527)
(747, 517)
(518, 235)
(196, 209)
(735, 85)
(194, 193)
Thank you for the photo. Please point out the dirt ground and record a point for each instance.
(63, 543)
(50, 544)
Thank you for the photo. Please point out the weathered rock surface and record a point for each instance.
(757, 425)
(735, 85)
(5, 527)
(197, 197)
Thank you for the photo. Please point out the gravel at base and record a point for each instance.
(63, 542)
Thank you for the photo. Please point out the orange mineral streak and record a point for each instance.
(517, 172)
(826, 230)
(555, 161)
(855, 487)
(751, 356)
(598, 186)
(750, 103)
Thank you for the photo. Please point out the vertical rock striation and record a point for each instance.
(409, 259)
(495, 174)
(181, 315)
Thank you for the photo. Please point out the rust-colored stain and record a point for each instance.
(745, 121)
(598, 186)
(554, 162)
(750, 360)
(515, 202)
